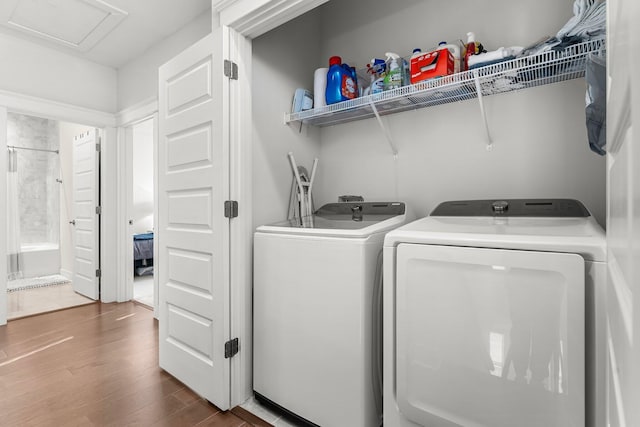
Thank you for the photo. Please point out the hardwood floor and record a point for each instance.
(96, 365)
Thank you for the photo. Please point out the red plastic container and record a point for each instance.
(433, 64)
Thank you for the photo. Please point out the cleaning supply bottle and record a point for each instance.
(454, 48)
(393, 79)
(406, 74)
(376, 68)
(470, 49)
(376, 85)
(340, 84)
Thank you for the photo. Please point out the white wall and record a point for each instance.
(67, 132)
(539, 134)
(540, 151)
(378, 26)
(138, 80)
(143, 177)
(283, 60)
(29, 69)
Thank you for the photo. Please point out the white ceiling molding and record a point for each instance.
(76, 24)
(253, 18)
(40, 107)
(137, 113)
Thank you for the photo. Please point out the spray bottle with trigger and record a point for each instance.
(393, 79)
(376, 68)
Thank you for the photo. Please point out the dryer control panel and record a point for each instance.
(557, 208)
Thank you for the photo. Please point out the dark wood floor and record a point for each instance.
(96, 365)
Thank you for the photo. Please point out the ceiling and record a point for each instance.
(109, 32)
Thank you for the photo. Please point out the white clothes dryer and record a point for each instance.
(493, 316)
(317, 313)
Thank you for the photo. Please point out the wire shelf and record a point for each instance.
(508, 76)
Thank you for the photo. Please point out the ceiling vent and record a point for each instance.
(76, 24)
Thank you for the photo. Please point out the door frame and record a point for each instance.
(3, 215)
(105, 122)
(126, 120)
(246, 19)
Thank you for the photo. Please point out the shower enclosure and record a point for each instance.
(33, 197)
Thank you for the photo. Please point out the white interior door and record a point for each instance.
(86, 238)
(623, 216)
(193, 234)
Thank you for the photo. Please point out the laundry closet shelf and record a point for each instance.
(509, 76)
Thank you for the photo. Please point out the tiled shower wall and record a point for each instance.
(39, 203)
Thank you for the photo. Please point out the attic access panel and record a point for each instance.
(76, 24)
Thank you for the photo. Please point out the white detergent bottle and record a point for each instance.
(454, 48)
(393, 79)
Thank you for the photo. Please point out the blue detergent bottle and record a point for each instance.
(340, 83)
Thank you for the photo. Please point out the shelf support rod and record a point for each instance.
(387, 134)
(483, 113)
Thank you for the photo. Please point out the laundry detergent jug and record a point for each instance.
(340, 82)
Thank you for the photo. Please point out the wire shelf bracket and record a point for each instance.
(385, 130)
(483, 113)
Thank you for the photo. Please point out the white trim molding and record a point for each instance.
(252, 18)
(138, 112)
(3, 216)
(240, 180)
(126, 119)
(40, 107)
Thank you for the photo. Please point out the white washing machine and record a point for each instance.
(493, 316)
(317, 313)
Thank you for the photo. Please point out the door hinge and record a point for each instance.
(98, 210)
(98, 144)
(231, 69)
(98, 273)
(231, 348)
(230, 209)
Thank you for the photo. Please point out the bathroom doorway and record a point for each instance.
(42, 245)
(140, 143)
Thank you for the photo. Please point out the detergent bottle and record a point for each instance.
(454, 48)
(340, 83)
(354, 76)
(393, 79)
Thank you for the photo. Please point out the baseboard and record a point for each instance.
(66, 273)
